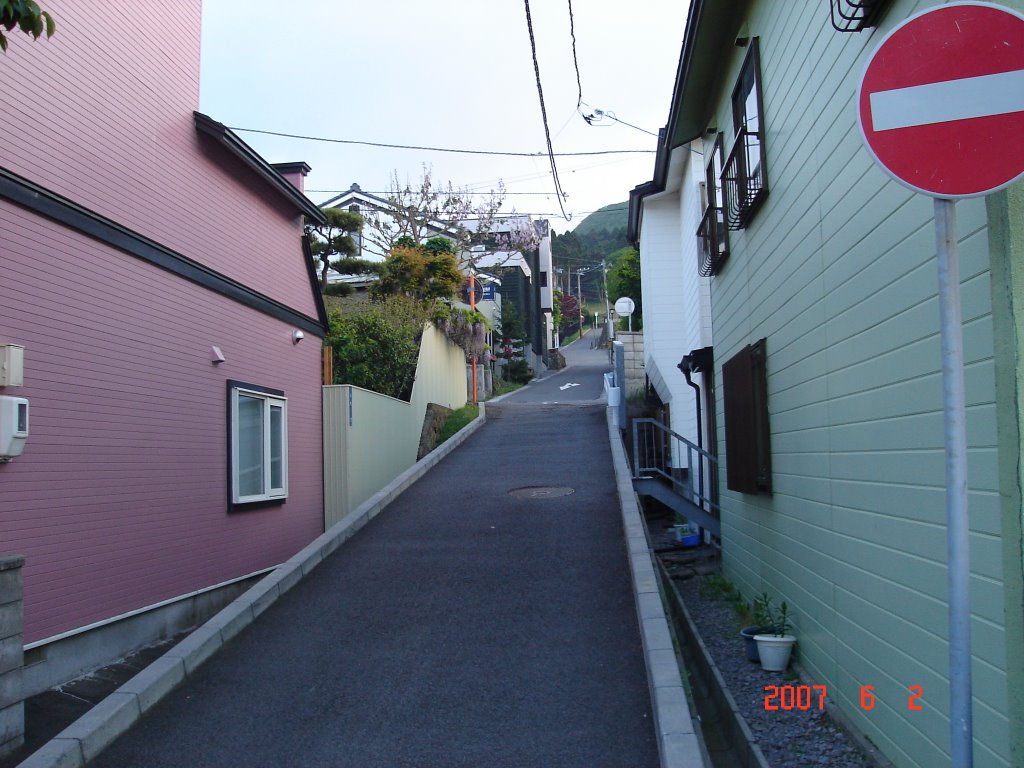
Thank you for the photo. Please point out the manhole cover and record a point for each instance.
(540, 492)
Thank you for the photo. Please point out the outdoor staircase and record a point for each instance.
(679, 474)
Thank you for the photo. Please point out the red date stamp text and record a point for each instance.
(787, 697)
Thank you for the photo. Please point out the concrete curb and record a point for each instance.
(85, 738)
(679, 745)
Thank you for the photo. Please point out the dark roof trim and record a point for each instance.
(378, 203)
(307, 253)
(57, 208)
(230, 141)
(355, 191)
(298, 167)
(710, 29)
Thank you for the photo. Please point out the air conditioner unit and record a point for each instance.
(13, 426)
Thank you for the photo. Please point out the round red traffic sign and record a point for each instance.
(941, 101)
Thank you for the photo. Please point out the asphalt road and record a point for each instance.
(473, 623)
(581, 381)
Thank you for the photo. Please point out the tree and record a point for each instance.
(427, 272)
(624, 278)
(27, 16)
(428, 209)
(377, 348)
(570, 310)
(513, 332)
(335, 239)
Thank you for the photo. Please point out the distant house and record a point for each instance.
(535, 300)
(357, 201)
(533, 285)
(156, 276)
(766, 218)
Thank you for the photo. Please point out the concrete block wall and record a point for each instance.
(12, 709)
(636, 373)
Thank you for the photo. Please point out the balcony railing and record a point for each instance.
(744, 182)
(713, 241)
(855, 15)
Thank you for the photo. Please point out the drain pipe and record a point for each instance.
(686, 366)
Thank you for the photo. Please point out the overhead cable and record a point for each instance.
(442, 149)
(575, 61)
(544, 114)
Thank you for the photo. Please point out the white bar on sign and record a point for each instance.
(944, 102)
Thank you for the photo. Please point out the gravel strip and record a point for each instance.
(789, 738)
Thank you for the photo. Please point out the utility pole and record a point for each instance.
(579, 297)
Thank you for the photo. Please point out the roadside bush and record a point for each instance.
(377, 346)
(518, 371)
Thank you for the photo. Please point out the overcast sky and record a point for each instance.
(446, 73)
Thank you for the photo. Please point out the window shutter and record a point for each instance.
(747, 432)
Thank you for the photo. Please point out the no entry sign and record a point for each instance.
(941, 102)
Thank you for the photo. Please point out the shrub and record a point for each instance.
(376, 346)
(518, 370)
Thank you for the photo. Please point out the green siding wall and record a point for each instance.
(838, 271)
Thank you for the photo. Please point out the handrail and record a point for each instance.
(659, 451)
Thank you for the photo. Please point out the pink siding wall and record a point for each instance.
(102, 114)
(119, 499)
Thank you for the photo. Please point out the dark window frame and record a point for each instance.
(745, 175)
(712, 233)
(747, 427)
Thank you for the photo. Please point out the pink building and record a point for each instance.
(154, 271)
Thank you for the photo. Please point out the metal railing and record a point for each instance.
(855, 15)
(690, 470)
(743, 180)
(713, 241)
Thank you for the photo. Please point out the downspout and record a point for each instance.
(686, 366)
(698, 361)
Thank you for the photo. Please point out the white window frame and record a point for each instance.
(269, 398)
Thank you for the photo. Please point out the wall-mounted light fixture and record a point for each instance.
(297, 336)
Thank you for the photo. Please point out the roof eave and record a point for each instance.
(230, 141)
(709, 27)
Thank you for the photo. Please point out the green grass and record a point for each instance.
(502, 387)
(458, 420)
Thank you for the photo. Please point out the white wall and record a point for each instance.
(676, 300)
(370, 438)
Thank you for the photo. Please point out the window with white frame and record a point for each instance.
(258, 428)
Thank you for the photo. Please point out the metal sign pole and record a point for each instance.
(957, 524)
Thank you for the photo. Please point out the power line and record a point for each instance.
(575, 61)
(544, 113)
(443, 149)
(390, 191)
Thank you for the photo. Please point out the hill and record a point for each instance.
(609, 218)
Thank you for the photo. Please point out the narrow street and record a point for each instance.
(467, 625)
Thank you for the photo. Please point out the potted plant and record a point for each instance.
(775, 647)
(760, 612)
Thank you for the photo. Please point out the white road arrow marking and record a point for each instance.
(566, 386)
(944, 102)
